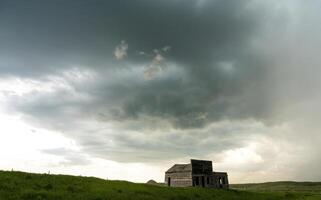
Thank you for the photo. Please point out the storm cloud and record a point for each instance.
(142, 81)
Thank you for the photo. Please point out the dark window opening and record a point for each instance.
(197, 181)
(169, 181)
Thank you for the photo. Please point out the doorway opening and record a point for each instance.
(203, 181)
(220, 182)
(197, 181)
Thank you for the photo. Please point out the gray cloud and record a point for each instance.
(70, 157)
(215, 62)
(202, 38)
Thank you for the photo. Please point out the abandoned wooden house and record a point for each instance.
(199, 173)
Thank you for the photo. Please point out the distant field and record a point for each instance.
(282, 186)
(26, 186)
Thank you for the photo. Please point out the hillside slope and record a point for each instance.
(26, 186)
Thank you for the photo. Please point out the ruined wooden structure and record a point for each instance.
(199, 173)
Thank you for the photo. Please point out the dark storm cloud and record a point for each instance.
(55, 34)
(42, 38)
(138, 145)
(211, 72)
(141, 81)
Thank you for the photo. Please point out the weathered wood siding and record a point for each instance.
(201, 167)
(220, 180)
(179, 179)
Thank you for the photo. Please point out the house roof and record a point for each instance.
(180, 168)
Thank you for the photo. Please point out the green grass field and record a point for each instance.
(27, 186)
(282, 186)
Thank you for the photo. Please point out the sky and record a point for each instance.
(125, 89)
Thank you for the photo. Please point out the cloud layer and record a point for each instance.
(142, 81)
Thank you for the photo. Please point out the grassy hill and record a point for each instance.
(27, 186)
